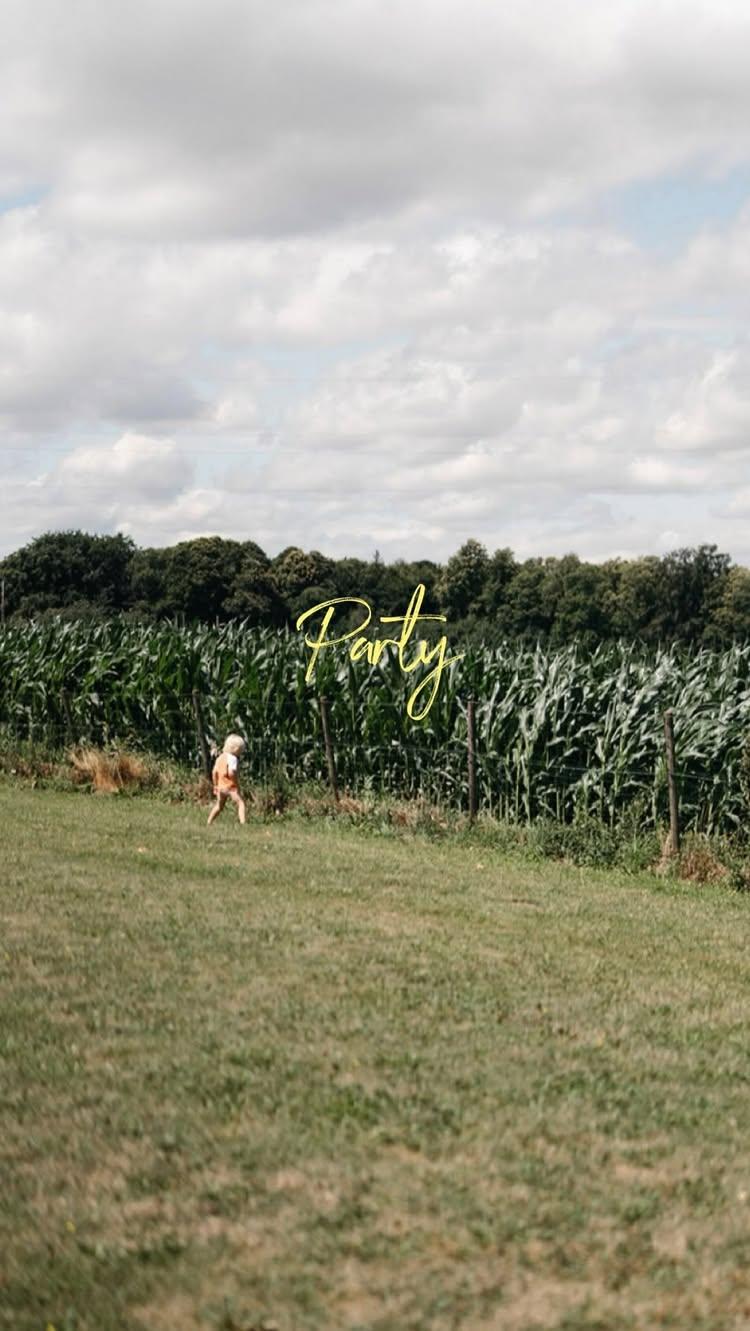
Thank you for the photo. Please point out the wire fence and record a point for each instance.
(511, 784)
(554, 732)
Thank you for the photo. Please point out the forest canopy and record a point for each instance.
(693, 595)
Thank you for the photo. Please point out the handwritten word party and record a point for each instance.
(372, 648)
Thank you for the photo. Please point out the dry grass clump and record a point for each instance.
(309, 806)
(199, 791)
(697, 861)
(267, 801)
(418, 815)
(408, 815)
(31, 769)
(353, 807)
(110, 772)
(105, 771)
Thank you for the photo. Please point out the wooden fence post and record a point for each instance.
(200, 730)
(674, 817)
(329, 746)
(471, 760)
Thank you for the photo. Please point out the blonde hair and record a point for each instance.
(234, 744)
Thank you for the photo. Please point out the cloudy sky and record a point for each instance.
(359, 274)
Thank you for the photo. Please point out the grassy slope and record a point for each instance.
(293, 1077)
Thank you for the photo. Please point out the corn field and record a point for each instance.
(556, 732)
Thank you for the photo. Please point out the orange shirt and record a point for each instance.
(225, 773)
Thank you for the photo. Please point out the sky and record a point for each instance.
(377, 274)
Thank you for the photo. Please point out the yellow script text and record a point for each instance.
(372, 648)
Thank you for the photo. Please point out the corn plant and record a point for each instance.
(557, 731)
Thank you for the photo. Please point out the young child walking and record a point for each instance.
(226, 784)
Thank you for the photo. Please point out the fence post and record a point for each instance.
(471, 760)
(329, 746)
(201, 733)
(674, 819)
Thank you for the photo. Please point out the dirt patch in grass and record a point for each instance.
(531, 1302)
(171, 1312)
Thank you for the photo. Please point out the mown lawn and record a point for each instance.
(292, 1076)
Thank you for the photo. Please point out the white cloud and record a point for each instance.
(304, 273)
(133, 467)
(716, 410)
(239, 117)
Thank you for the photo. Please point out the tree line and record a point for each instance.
(693, 595)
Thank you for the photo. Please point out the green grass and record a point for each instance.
(296, 1076)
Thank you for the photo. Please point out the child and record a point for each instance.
(226, 785)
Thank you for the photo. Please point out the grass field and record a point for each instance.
(290, 1076)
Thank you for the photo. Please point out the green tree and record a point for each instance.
(501, 571)
(399, 581)
(251, 550)
(575, 600)
(200, 575)
(148, 583)
(730, 617)
(255, 595)
(636, 599)
(694, 581)
(295, 571)
(460, 588)
(526, 612)
(69, 570)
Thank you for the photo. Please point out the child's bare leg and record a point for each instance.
(217, 808)
(240, 804)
